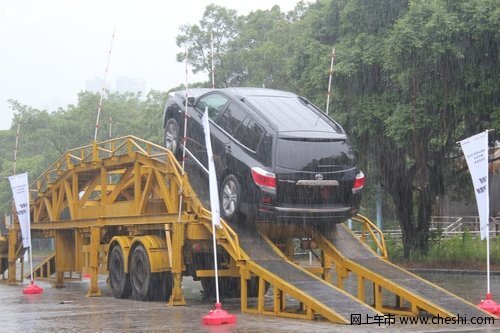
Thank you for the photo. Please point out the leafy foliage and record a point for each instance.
(46, 136)
(411, 79)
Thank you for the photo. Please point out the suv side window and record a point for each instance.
(231, 118)
(215, 104)
(249, 133)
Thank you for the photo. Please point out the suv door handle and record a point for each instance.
(227, 147)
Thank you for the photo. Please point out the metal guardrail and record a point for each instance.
(448, 226)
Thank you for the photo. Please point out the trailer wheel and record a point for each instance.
(162, 286)
(141, 278)
(253, 287)
(118, 279)
(232, 287)
(229, 287)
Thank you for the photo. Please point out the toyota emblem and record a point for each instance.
(318, 176)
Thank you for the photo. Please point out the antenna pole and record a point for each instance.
(212, 58)
(103, 87)
(330, 82)
(17, 144)
(110, 127)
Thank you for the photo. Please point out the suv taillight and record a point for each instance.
(359, 182)
(263, 178)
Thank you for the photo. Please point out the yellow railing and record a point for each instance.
(376, 235)
(97, 151)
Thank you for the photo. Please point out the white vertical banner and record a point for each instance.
(21, 194)
(475, 149)
(212, 178)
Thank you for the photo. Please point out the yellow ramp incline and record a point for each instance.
(287, 278)
(355, 256)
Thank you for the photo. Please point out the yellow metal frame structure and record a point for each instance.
(128, 191)
(122, 192)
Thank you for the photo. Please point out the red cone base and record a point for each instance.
(489, 305)
(218, 316)
(33, 289)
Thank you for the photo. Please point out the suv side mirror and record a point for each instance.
(191, 101)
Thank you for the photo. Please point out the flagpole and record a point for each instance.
(217, 316)
(488, 224)
(488, 304)
(214, 200)
(15, 167)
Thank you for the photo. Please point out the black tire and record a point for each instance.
(230, 197)
(231, 287)
(162, 286)
(171, 136)
(208, 285)
(228, 287)
(141, 278)
(118, 279)
(253, 287)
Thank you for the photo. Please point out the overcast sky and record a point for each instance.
(50, 48)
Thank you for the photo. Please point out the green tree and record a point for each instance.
(219, 23)
(412, 78)
(409, 89)
(45, 136)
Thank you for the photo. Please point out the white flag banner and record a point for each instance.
(212, 178)
(21, 194)
(475, 150)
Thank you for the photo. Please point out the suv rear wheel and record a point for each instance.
(230, 197)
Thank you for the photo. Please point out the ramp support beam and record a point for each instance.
(12, 257)
(177, 297)
(95, 237)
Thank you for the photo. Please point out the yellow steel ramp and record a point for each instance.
(316, 296)
(45, 269)
(352, 255)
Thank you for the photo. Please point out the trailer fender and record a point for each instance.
(124, 243)
(157, 252)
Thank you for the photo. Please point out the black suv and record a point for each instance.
(277, 156)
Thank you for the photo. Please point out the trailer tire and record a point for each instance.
(228, 287)
(141, 278)
(253, 287)
(118, 279)
(162, 286)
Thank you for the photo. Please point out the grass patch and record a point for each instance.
(465, 251)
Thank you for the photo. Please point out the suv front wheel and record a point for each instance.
(172, 135)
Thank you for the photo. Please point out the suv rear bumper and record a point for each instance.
(302, 214)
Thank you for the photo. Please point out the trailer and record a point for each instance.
(125, 208)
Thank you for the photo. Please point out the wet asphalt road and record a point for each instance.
(69, 310)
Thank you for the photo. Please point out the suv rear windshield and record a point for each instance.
(292, 114)
(313, 154)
